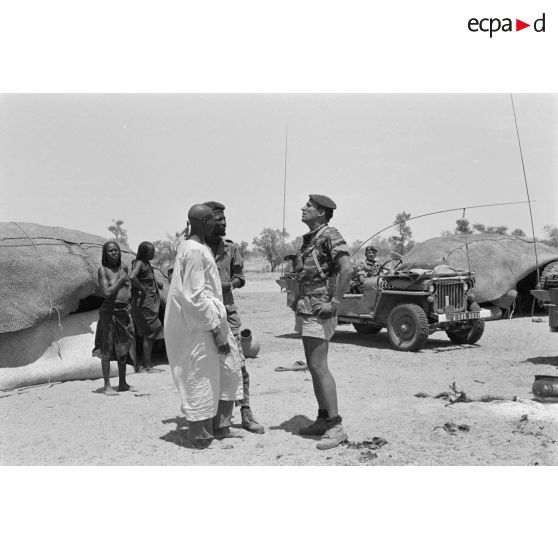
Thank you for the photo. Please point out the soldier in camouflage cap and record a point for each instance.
(230, 265)
(323, 273)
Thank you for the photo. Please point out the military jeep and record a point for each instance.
(547, 294)
(411, 303)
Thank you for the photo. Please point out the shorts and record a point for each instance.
(312, 326)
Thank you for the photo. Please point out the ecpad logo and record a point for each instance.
(492, 25)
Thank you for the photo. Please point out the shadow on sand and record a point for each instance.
(549, 360)
(381, 341)
(178, 436)
(293, 425)
(288, 336)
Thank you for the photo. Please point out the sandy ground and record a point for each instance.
(73, 424)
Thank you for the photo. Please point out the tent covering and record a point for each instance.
(499, 261)
(46, 271)
(44, 274)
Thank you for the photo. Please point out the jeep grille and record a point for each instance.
(453, 290)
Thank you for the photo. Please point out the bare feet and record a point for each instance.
(109, 391)
(222, 433)
(125, 387)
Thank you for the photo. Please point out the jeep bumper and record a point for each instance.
(483, 314)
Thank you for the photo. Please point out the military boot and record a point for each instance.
(249, 422)
(333, 436)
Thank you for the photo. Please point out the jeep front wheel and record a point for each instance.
(467, 334)
(367, 329)
(407, 327)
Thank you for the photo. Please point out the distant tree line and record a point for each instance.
(273, 245)
(462, 226)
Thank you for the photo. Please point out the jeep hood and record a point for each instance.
(426, 270)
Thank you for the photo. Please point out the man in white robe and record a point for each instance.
(203, 355)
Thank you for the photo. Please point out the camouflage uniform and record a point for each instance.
(367, 269)
(316, 276)
(318, 269)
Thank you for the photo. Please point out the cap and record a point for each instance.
(371, 248)
(214, 206)
(323, 201)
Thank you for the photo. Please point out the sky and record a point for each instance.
(81, 161)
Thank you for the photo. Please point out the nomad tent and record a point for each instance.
(505, 266)
(49, 300)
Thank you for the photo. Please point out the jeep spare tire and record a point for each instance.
(407, 327)
(467, 334)
(367, 329)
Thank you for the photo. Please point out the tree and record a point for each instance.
(462, 227)
(383, 247)
(356, 250)
(244, 252)
(480, 228)
(402, 242)
(270, 245)
(551, 232)
(119, 232)
(501, 229)
(165, 250)
(517, 232)
(294, 246)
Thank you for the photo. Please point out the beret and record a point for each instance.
(214, 206)
(323, 201)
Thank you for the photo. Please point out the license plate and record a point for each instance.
(460, 316)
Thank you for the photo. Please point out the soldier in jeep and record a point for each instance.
(368, 266)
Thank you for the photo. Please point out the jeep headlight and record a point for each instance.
(466, 286)
(432, 288)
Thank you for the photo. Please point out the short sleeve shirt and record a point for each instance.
(329, 245)
(230, 265)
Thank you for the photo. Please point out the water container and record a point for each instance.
(545, 388)
(250, 346)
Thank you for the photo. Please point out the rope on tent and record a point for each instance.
(52, 306)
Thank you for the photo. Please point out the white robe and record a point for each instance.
(195, 307)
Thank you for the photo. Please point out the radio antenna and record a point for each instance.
(284, 198)
(435, 213)
(526, 189)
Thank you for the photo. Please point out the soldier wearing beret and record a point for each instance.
(230, 265)
(369, 266)
(323, 274)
